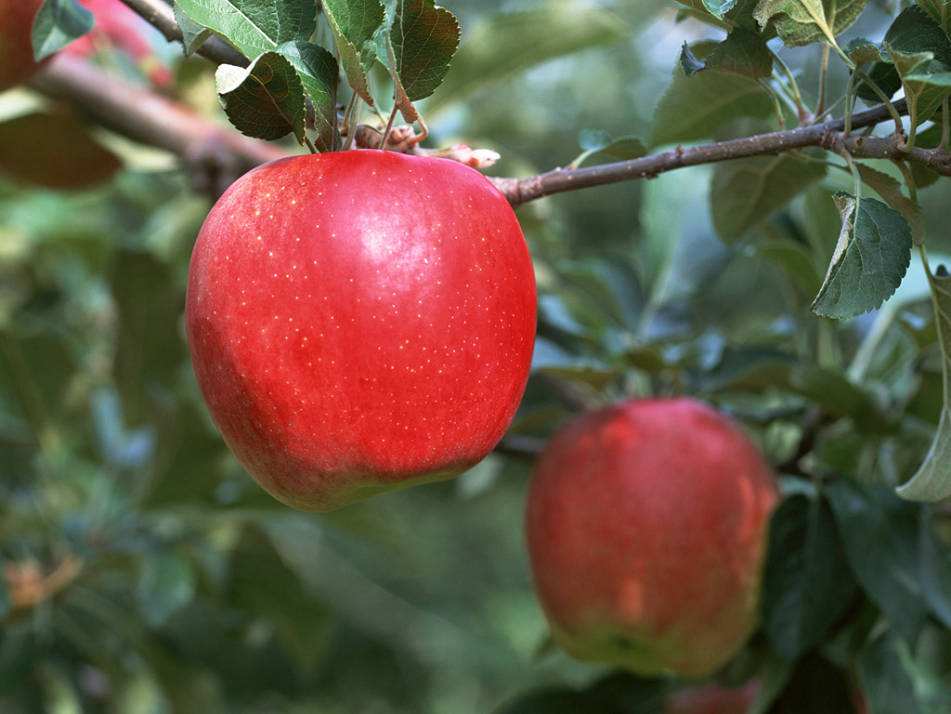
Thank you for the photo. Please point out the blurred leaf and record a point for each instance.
(57, 23)
(319, 74)
(932, 481)
(421, 43)
(505, 44)
(5, 601)
(746, 192)
(870, 260)
(167, 583)
(890, 190)
(719, 7)
(807, 586)
(353, 23)
(862, 51)
(885, 681)
(795, 260)
(935, 570)
(802, 22)
(253, 26)
(55, 151)
(919, 48)
(743, 52)
(889, 571)
(193, 34)
(613, 694)
(695, 107)
(818, 687)
(265, 587)
(598, 148)
(264, 100)
(940, 12)
(775, 674)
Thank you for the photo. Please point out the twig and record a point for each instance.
(161, 16)
(157, 121)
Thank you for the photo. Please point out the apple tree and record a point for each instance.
(650, 294)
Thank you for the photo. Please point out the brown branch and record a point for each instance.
(827, 135)
(521, 190)
(157, 121)
(161, 16)
(217, 154)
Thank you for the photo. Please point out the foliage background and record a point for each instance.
(197, 592)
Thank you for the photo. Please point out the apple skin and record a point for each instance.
(713, 699)
(360, 321)
(646, 526)
(16, 44)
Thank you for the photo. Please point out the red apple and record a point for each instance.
(713, 699)
(16, 44)
(646, 527)
(360, 321)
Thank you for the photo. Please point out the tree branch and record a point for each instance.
(161, 16)
(217, 154)
(827, 135)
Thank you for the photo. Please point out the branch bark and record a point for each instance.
(157, 121)
(161, 16)
(216, 154)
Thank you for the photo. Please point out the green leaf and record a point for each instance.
(746, 192)
(935, 568)
(5, 602)
(862, 51)
(885, 77)
(743, 52)
(54, 150)
(166, 583)
(807, 585)
(920, 49)
(796, 260)
(940, 12)
(884, 678)
(695, 107)
(193, 34)
(254, 26)
(420, 45)
(889, 571)
(264, 100)
(870, 259)
(502, 45)
(353, 23)
(802, 22)
(816, 686)
(913, 31)
(600, 148)
(719, 7)
(319, 75)
(689, 62)
(618, 693)
(932, 481)
(57, 23)
(890, 189)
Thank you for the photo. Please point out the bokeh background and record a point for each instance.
(171, 583)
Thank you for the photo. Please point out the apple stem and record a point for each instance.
(310, 144)
(389, 127)
(423, 131)
(349, 119)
